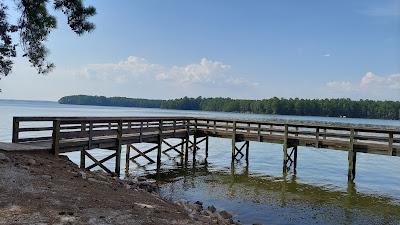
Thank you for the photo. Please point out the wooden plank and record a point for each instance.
(20, 147)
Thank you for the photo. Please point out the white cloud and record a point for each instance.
(343, 85)
(327, 55)
(240, 81)
(120, 71)
(370, 85)
(205, 72)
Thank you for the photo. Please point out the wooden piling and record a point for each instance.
(247, 151)
(233, 140)
(206, 146)
(15, 133)
(127, 156)
(194, 142)
(56, 137)
(82, 164)
(390, 142)
(352, 156)
(295, 158)
(285, 149)
(187, 141)
(118, 151)
(159, 147)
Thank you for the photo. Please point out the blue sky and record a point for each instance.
(240, 49)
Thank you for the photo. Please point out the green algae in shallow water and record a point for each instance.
(282, 200)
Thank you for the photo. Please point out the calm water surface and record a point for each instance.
(257, 192)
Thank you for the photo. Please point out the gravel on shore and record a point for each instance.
(38, 188)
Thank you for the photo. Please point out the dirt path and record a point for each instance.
(41, 189)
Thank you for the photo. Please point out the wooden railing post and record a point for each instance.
(90, 139)
(352, 155)
(56, 137)
(15, 134)
(317, 137)
(390, 143)
(215, 127)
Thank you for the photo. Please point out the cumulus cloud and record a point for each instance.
(370, 85)
(205, 72)
(119, 72)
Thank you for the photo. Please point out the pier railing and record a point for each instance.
(64, 134)
(69, 133)
(376, 140)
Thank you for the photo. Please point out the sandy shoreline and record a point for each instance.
(37, 188)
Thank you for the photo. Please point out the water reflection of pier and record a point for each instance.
(238, 184)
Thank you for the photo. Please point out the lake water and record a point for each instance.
(257, 192)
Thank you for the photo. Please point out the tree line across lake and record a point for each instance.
(293, 106)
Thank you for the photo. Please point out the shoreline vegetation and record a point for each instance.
(343, 107)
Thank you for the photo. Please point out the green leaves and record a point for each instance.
(34, 26)
(7, 48)
(77, 15)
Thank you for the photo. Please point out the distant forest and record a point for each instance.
(293, 106)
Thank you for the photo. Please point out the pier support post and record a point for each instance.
(15, 130)
(160, 138)
(295, 159)
(206, 147)
(233, 140)
(352, 157)
(194, 147)
(194, 142)
(128, 153)
(82, 164)
(187, 142)
(118, 151)
(285, 150)
(247, 151)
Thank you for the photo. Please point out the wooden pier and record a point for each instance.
(65, 134)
